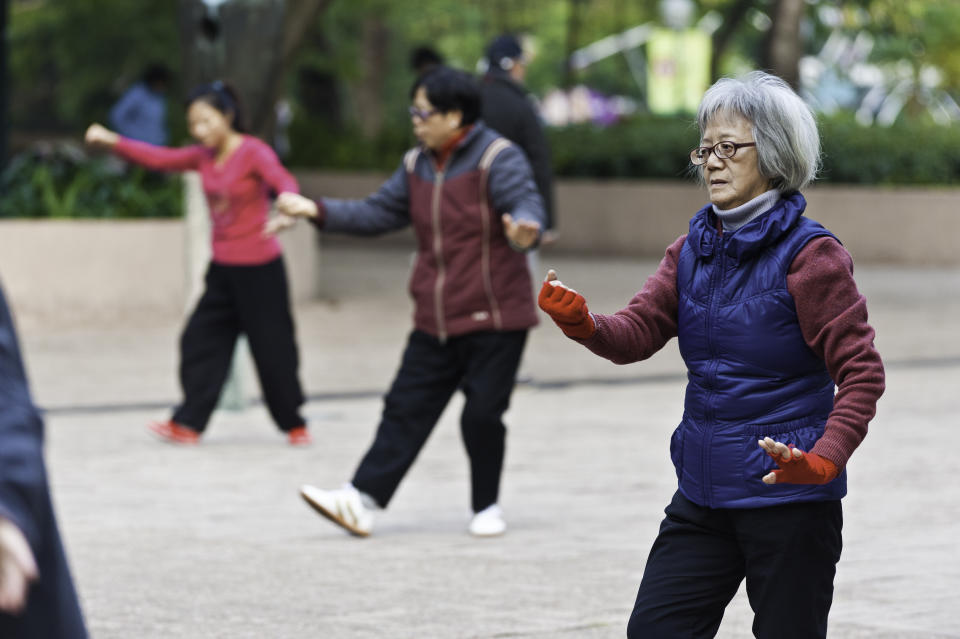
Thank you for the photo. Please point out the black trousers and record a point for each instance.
(787, 553)
(485, 366)
(254, 301)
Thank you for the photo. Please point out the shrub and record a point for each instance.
(60, 181)
(915, 152)
(910, 152)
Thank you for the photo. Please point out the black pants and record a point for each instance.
(485, 366)
(252, 300)
(787, 553)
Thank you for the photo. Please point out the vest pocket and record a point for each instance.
(802, 433)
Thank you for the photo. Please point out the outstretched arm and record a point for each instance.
(156, 158)
(385, 210)
(647, 323)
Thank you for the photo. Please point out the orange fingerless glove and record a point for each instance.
(810, 468)
(567, 309)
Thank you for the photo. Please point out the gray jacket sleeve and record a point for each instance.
(388, 209)
(512, 189)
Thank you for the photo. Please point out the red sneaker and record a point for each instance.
(174, 433)
(299, 436)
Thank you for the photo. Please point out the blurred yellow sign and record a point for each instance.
(678, 70)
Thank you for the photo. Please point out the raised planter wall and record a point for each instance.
(107, 269)
(909, 226)
(102, 269)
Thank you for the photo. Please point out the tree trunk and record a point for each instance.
(783, 47)
(373, 63)
(4, 126)
(248, 43)
(732, 19)
(573, 38)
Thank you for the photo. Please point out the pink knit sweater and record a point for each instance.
(237, 192)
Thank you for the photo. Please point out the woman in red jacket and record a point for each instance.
(470, 198)
(246, 283)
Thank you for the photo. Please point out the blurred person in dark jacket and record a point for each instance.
(507, 109)
(37, 598)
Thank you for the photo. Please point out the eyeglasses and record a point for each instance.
(421, 114)
(723, 150)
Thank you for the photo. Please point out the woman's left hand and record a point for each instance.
(796, 466)
(296, 205)
(278, 224)
(522, 234)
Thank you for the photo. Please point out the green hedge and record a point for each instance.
(906, 153)
(647, 147)
(60, 181)
(315, 145)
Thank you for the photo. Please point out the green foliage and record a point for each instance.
(61, 182)
(644, 147)
(910, 152)
(314, 144)
(69, 61)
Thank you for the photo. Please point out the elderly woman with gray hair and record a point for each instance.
(783, 376)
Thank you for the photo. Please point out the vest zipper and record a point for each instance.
(486, 216)
(710, 413)
(438, 254)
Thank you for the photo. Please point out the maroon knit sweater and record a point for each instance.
(832, 315)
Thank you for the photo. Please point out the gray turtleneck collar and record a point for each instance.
(734, 218)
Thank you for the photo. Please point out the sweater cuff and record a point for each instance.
(836, 452)
(321, 219)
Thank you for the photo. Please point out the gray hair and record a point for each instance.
(784, 128)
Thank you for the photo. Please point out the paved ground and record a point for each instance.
(214, 542)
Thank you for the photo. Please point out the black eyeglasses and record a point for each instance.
(723, 150)
(421, 113)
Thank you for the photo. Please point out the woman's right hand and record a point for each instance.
(100, 136)
(566, 307)
(296, 205)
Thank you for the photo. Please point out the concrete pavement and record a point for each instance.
(214, 541)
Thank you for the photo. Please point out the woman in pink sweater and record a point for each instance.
(246, 283)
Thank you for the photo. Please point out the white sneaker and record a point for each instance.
(343, 507)
(488, 522)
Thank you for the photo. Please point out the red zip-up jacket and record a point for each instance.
(467, 277)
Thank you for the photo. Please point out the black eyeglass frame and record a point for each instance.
(701, 154)
(420, 113)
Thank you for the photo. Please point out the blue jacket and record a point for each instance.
(141, 114)
(750, 372)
